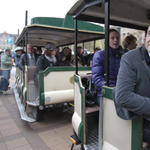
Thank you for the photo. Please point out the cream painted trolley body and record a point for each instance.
(56, 84)
(55, 89)
(112, 132)
(115, 133)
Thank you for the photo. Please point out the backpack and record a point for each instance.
(3, 84)
(90, 92)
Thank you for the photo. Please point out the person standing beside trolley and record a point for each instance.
(1, 70)
(6, 65)
(98, 63)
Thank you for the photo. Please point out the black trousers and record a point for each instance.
(146, 131)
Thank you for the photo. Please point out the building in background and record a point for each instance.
(7, 40)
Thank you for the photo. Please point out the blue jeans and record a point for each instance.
(1, 73)
(98, 100)
(6, 74)
(146, 131)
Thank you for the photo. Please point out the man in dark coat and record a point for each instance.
(132, 92)
(46, 60)
(28, 58)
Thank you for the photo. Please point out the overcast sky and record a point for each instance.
(12, 12)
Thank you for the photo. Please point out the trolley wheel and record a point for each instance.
(82, 147)
(37, 114)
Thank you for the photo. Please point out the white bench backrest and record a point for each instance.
(116, 131)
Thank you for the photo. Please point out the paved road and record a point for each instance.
(15, 134)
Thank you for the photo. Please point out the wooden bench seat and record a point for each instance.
(92, 109)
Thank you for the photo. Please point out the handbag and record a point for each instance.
(90, 92)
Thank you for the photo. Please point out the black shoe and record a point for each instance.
(146, 148)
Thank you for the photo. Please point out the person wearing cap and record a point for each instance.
(46, 60)
(19, 51)
(29, 58)
(6, 64)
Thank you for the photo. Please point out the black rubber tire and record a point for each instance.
(38, 115)
(82, 147)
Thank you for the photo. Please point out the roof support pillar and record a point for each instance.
(107, 20)
(75, 42)
(26, 18)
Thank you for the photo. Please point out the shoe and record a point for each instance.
(146, 148)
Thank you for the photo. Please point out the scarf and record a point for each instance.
(51, 59)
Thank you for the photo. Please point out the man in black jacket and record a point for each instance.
(46, 60)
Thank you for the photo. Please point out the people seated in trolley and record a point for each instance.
(98, 63)
(58, 49)
(46, 60)
(129, 43)
(29, 58)
(72, 63)
(80, 57)
(67, 52)
(19, 51)
(62, 60)
(38, 51)
(89, 57)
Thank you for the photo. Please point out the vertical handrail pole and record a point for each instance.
(100, 132)
(106, 75)
(76, 34)
(107, 20)
(26, 36)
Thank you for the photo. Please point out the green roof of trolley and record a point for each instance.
(67, 22)
(59, 31)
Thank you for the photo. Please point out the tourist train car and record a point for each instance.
(100, 128)
(56, 85)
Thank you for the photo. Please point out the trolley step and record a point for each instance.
(32, 103)
(21, 108)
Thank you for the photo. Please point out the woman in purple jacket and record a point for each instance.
(98, 63)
